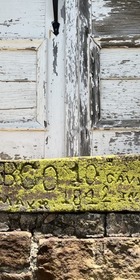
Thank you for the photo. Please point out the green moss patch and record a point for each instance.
(109, 183)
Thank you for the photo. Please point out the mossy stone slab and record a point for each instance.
(110, 183)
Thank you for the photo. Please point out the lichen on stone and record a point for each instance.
(110, 183)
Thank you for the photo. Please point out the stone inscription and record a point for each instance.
(72, 184)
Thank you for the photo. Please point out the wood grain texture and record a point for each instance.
(84, 28)
(41, 83)
(77, 62)
(55, 145)
(72, 72)
(119, 84)
(22, 19)
(27, 26)
(21, 144)
(120, 99)
(17, 65)
(16, 117)
(115, 18)
(116, 33)
(94, 80)
(119, 63)
(18, 101)
(17, 95)
(23, 82)
(107, 142)
(13, 44)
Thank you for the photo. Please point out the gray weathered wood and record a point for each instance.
(115, 113)
(119, 63)
(115, 142)
(94, 79)
(72, 84)
(77, 61)
(84, 41)
(120, 99)
(115, 18)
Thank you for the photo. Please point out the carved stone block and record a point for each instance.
(73, 184)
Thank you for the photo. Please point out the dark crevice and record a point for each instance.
(105, 225)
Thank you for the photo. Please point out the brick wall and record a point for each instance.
(84, 246)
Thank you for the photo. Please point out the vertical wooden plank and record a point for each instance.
(72, 76)
(84, 28)
(94, 83)
(41, 83)
(54, 138)
(77, 90)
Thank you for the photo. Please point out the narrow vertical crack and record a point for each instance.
(105, 225)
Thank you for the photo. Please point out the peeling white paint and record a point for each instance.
(115, 142)
(32, 109)
(115, 88)
(63, 76)
(100, 10)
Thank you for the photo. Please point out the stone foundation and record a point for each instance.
(67, 244)
(83, 246)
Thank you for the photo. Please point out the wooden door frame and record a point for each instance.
(78, 30)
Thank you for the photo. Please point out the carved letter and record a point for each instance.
(89, 196)
(28, 176)
(110, 178)
(77, 197)
(90, 174)
(130, 180)
(50, 178)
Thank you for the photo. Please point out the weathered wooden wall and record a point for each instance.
(32, 80)
(114, 77)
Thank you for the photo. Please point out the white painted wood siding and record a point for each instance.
(22, 80)
(109, 142)
(22, 145)
(48, 80)
(31, 80)
(23, 18)
(17, 65)
(16, 95)
(120, 83)
(115, 77)
(121, 63)
(120, 99)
